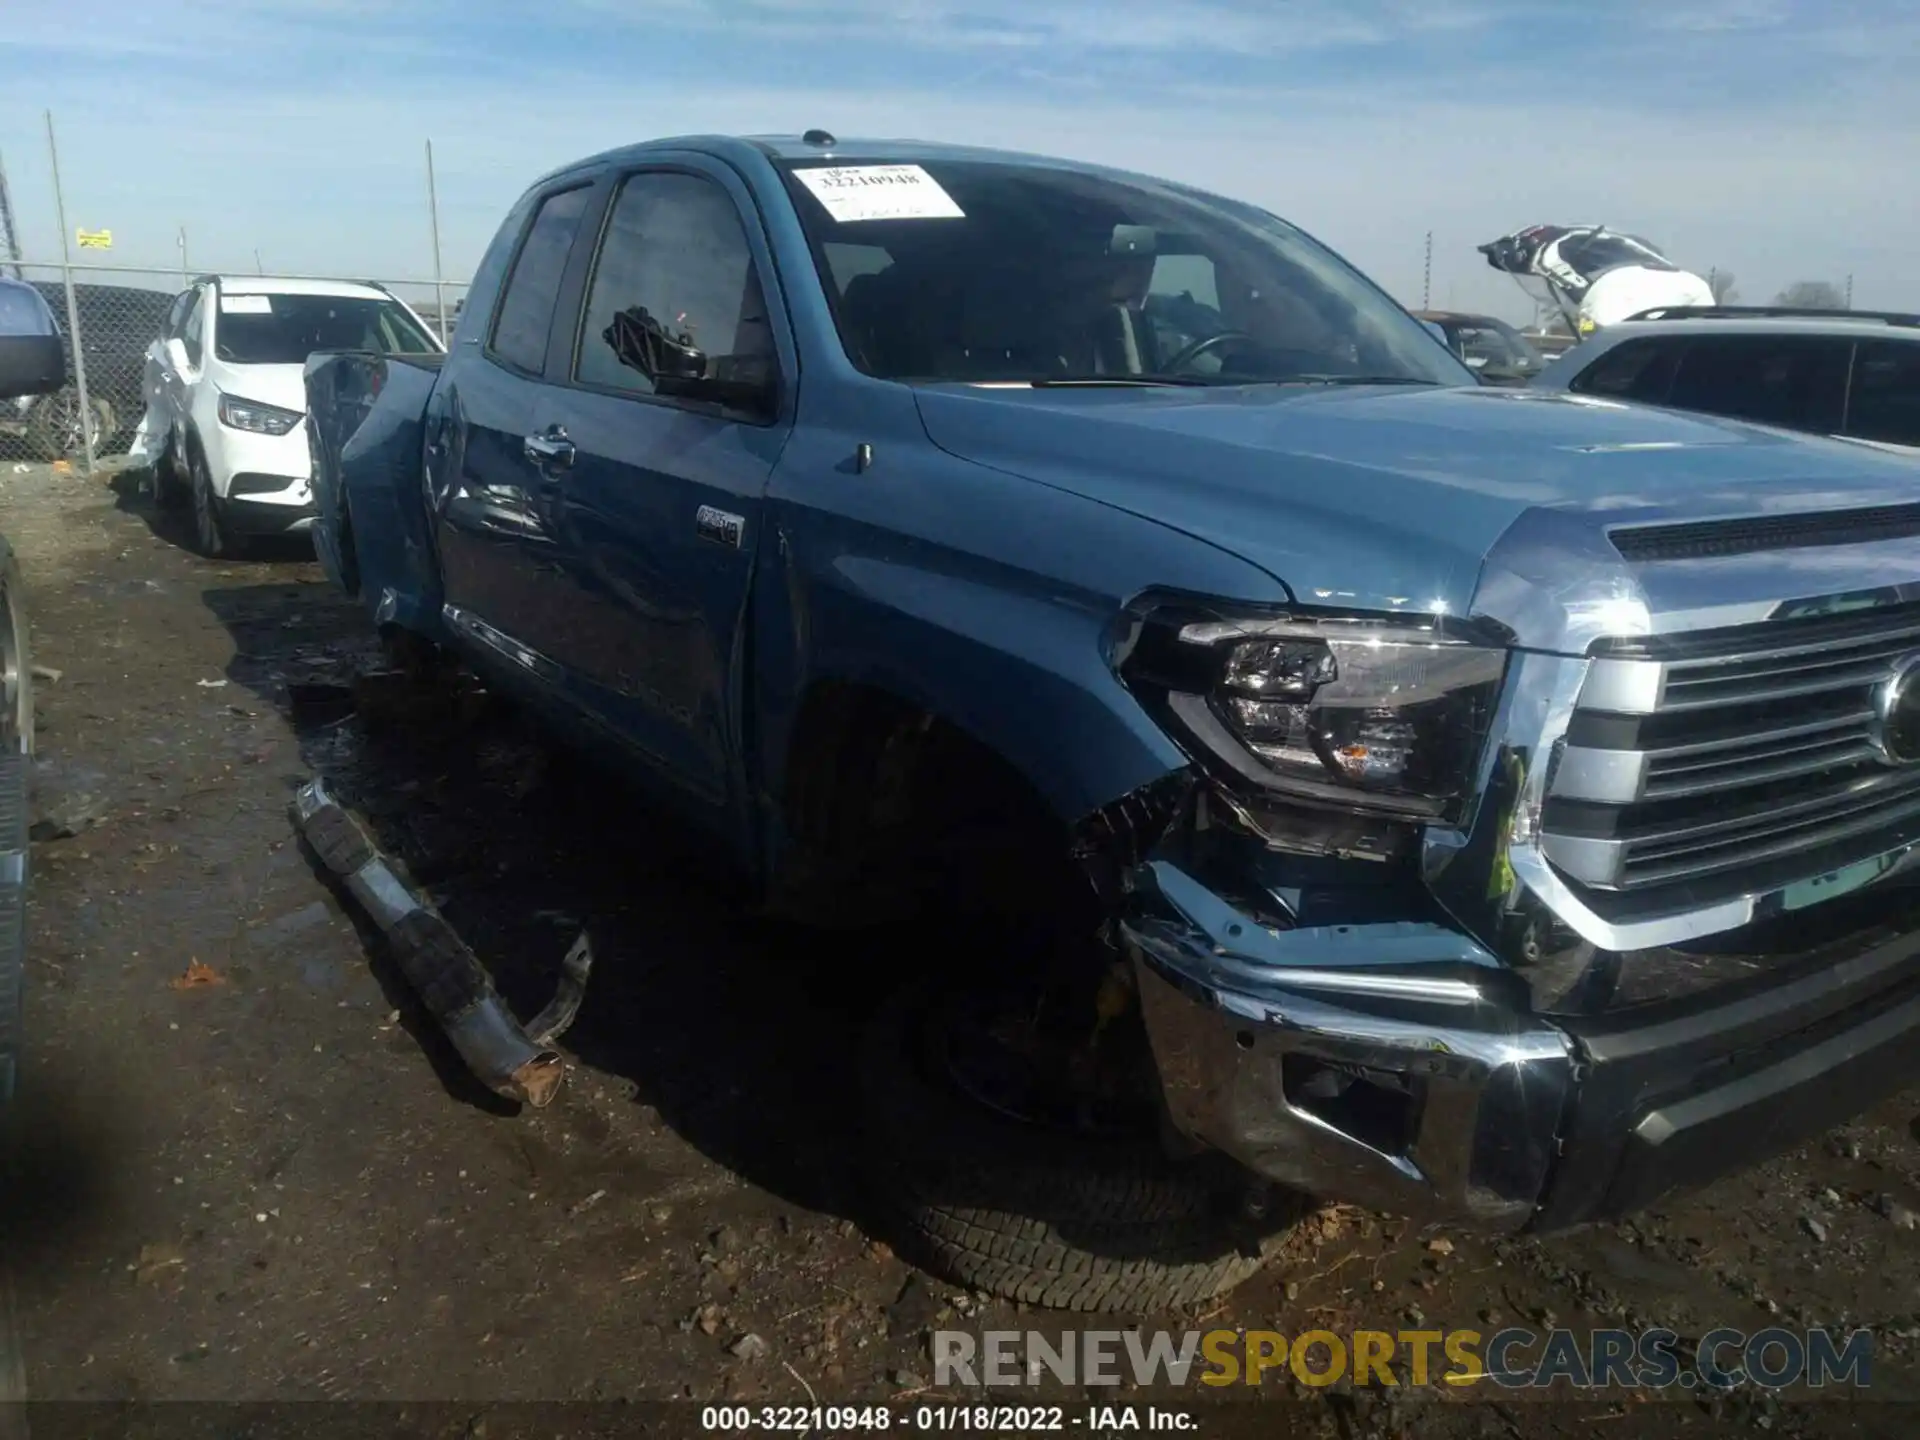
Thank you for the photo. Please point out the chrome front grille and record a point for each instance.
(1703, 766)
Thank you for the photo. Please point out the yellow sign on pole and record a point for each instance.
(94, 239)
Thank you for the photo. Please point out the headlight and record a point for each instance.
(1386, 715)
(256, 417)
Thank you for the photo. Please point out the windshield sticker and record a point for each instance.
(246, 305)
(879, 192)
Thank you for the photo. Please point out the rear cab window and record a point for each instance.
(525, 315)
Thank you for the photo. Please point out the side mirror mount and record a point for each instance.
(33, 361)
(679, 368)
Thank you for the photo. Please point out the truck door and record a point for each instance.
(498, 555)
(660, 495)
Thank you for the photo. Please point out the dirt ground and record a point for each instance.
(280, 1186)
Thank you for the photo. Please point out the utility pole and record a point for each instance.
(1849, 290)
(1426, 283)
(186, 274)
(9, 235)
(433, 219)
(75, 340)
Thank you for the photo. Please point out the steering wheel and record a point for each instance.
(1202, 346)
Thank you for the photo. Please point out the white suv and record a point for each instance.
(226, 401)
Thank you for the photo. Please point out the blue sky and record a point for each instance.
(1776, 140)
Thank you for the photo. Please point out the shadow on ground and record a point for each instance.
(131, 488)
(740, 1031)
(60, 1150)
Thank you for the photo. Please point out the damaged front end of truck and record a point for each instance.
(1525, 918)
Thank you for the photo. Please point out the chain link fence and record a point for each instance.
(117, 315)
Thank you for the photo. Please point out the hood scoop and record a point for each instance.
(1701, 539)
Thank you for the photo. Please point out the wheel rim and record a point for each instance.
(73, 426)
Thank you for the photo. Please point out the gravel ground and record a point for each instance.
(278, 1185)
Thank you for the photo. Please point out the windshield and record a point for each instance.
(980, 271)
(285, 329)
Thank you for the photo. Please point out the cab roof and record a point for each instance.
(831, 148)
(270, 285)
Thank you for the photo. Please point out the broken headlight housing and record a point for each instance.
(1380, 715)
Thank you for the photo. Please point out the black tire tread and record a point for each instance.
(1000, 1260)
(1094, 1225)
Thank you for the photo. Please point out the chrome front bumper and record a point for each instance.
(1246, 1024)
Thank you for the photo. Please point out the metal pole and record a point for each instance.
(186, 274)
(258, 268)
(433, 219)
(1426, 284)
(74, 338)
(1849, 291)
(9, 237)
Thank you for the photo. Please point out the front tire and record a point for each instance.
(16, 758)
(1097, 1222)
(211, 536)
(171, 490)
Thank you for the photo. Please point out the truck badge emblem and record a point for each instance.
(1895, 729)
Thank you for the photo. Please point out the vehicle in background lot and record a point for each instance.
(1497, 352)
(33, 362)
(1594, 276)
(224, 400)
(116, 322)
(1851, 374)
(1349, 781)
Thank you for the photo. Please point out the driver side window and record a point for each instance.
(674, 253)
(177, 314)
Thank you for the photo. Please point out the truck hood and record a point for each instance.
(1381, 498)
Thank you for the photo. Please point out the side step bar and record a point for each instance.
(511, 1060)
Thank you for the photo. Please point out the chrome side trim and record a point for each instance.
(465, 622)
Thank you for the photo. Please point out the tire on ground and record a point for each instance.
(1073, 1223)
(16, 754)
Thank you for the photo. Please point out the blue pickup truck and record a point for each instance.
(1484, 805)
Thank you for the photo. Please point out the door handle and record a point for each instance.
(550, 448)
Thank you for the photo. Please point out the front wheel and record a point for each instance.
(210, 532)
(171, 489)
(1089, 1217)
